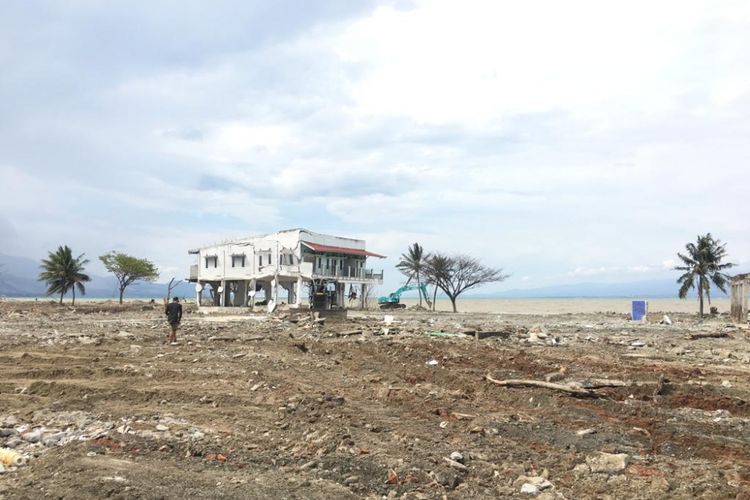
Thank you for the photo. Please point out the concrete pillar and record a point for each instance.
(341, 295)
(298, 294)
(362, 296)
(251, 293)
(198, 294)
(241, 297)
(223, 295)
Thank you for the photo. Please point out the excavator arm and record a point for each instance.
(394, 298)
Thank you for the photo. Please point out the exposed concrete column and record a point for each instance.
(251, 294)
(223, 295)
(341, 295)
(362, 296)
(241, 296)
(198, 294)
(298, 296)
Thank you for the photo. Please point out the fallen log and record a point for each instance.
(710, 335)
(570, 388)
(597, 383)
(348, 333)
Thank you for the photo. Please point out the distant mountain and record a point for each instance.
(18, 278)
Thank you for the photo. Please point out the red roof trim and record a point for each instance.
(349, 251)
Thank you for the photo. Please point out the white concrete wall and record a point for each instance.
(284, 242)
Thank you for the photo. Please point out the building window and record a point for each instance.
(341, 264)
(269, 259)
(212, 261)
(238, 261)
(260, 260)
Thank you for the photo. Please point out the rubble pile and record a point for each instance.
(404, 404)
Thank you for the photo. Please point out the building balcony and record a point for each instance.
(194, 272)
(349, 274)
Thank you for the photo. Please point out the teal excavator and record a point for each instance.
(393, 300)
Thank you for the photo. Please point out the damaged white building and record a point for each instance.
(296, 266)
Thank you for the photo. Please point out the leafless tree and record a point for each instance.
(369, 294)
(171, 286)
(456, 274)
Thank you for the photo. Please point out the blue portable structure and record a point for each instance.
(639, 310)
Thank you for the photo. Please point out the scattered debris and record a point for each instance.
(455, 464)
(708, 335)
(608, 463)
(11, 457)
(240, 403)
(570, 388)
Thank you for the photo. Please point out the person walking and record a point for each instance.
(174, 316)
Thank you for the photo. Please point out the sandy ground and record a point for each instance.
(570, 306)
(286, 407)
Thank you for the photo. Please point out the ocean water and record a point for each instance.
(564, 306)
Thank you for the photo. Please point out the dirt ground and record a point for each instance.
(251, 406)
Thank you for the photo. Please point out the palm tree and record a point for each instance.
(437, 270)
(703, 265)
(412, 265)
(62, 272)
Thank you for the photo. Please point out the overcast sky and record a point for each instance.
(563, 141)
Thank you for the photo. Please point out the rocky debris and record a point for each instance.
(532, 485)
(32, 436)
(456, 465)
(280, 392)
(62, 428)
(607, 463)
(555, 376)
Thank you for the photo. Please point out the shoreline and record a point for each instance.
(484, 305)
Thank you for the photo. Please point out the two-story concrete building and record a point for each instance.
(297, 265)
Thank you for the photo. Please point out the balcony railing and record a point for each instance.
(348, 273)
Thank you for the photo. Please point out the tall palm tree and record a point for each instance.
(62, 272)
(703, 266)
(412, 266)
(437, 270)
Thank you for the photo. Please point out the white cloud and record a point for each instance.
(474, 62)
(540, 136)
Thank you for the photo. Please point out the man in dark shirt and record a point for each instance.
(174, 316)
